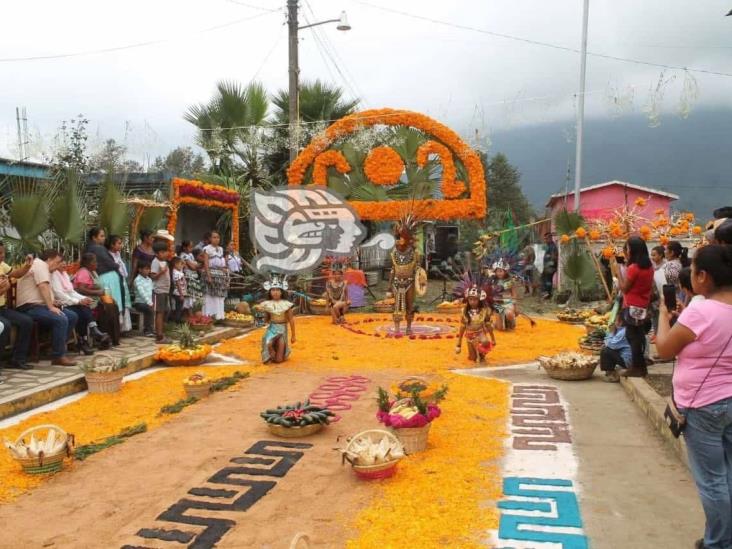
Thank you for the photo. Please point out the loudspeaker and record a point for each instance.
(446, 241)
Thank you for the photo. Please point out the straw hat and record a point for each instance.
(165, 235)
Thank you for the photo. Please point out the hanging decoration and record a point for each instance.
(204, 195)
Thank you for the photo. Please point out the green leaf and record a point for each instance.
(369, 192)
(340, 185)
(67, 214)
(29, 214)
(113, 215)
(153, 218)
(568, 222)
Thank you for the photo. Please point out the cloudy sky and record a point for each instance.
(442, 58)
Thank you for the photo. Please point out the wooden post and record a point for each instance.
(599, 270)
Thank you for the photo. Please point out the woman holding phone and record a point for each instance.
(636, 285)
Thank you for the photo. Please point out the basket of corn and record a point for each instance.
(197, 385)
(575, 316)
(569, 366)
(373, 454)
(41, 449)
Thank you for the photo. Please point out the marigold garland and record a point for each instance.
(208, 190)
(450, 187)
(326, 159)
(473, 207)
(98, 416)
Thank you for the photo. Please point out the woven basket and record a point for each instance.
(104, 382)
(292, 432)
(414, 439)
(202, 328)
(380, 308)
(238, 323)
(568, 374)
(191, 362)
(590, 348)
(374, 472)
(198, 391)
(319, 309)
(45, 464)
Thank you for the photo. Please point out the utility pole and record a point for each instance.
(294, 73)
(581, 108)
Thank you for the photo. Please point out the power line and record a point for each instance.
(129, 46)
(269, 54)
(539, 43)
(253, 6)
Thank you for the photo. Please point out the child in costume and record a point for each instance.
(336, 293)
(504, 296)
(475, 325)
(279, 314)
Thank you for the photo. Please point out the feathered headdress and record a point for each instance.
(276, 281)
(502, 259)
(472, 283)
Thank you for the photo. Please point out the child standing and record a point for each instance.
(179, 289)
(190, 270)
(476, 325)
(144, 297)
(161, 289)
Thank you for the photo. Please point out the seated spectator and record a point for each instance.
(108, 271)
(143, 285)
(35, 298)
(701, 342)
(616, 353)
(10, 318)
(87, 283)
(66, 296)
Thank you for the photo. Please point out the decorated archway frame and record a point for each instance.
(383, 166)
(204, 195)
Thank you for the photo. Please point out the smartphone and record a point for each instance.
(669, 297)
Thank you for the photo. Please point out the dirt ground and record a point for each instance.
(108, 499)
(661, 383)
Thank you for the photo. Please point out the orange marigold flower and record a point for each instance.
(660, 211)
(564, 239)
(450, 187)
(608, 252)
(324, 160)
(697, 230)
(640, 201)
(581, 232)
(594, 234)
(383, 166)
(664, 240)
(675, 231)
(616, 232)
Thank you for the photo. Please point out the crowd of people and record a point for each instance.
(684, 306)
(92, 305)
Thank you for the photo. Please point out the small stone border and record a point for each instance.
(653, 405)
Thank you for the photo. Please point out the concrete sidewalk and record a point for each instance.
(634, 491)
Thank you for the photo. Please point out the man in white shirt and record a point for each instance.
(35, 298)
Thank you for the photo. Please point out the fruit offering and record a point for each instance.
(320, 302)
(239, 317)
(297, 415)
(575, 316)
(199, 319)
(365, 451)
(186, 352)
(594, 340)
(598, 320)
(196, 379)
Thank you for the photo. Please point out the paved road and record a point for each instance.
(633, 491)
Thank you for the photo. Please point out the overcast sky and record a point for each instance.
(470, 80)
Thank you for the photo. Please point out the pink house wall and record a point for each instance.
(601, 203)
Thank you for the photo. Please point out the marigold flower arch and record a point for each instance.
(472, 207)
(203, 195)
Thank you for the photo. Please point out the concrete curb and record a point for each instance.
(28, 400)
(653, 405)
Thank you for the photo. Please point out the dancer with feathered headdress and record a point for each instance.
(405, 270)
(476, 325)
(279, 314)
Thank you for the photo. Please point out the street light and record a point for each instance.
(294, 68)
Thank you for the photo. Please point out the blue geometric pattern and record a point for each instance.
(566, 512)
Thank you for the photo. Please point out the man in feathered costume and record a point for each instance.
(405, 260)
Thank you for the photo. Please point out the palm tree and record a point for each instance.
(577, 265)
(230, 128)
(318, 102)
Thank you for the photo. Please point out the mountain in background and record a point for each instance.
(691, 158)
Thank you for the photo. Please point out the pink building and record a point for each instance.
(600, 201)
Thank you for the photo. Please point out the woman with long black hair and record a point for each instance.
(636, 286)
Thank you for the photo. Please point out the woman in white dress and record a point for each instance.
(215, 278)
